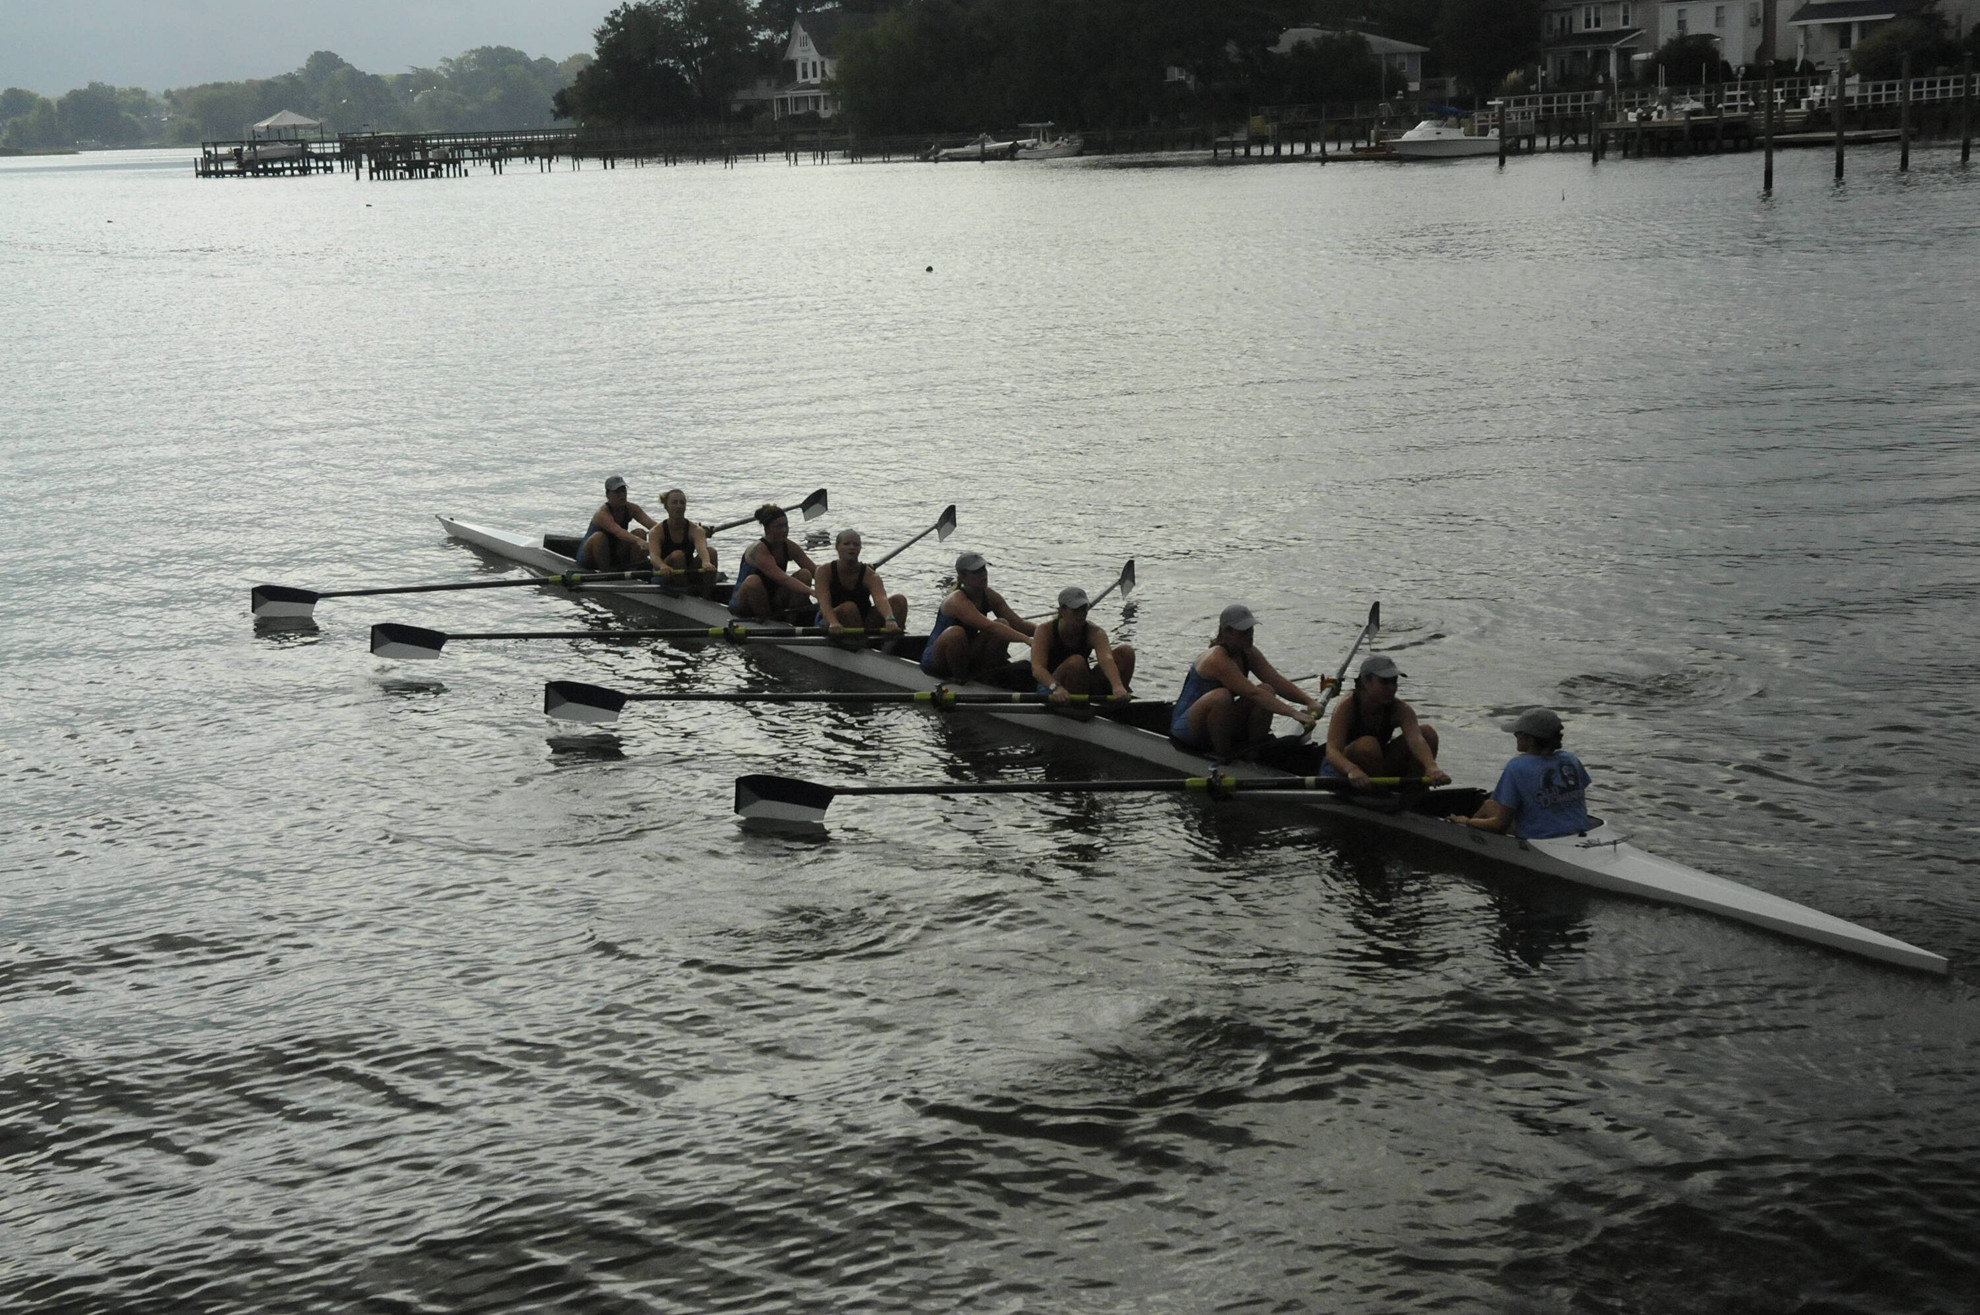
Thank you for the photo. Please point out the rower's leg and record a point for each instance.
(986, 653)
(898, 602)
(597, 551)
(951, 655)
(1074, 674)
(1213, 720)
(1369, 756)
(848, 615)
(1397, 760)
(751, 599)
(1124, 663)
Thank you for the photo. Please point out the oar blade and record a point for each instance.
(280, 602)
(1374, 616)
(816, 505)
(573, 700)
(1127, 579)
(946, 526)
(398, 642)
(782, 799)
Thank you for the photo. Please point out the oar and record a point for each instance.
(944, 526)
(1123, 582)
(787, 799)
(281, 600)
(574, 700)
(1327, 696)
(813, 507)
(396, 640)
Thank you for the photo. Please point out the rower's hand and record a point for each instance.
(666, 572)
(1459, 818)
(1306, 718)
(1437, 775)
(1357, 778)
(836, 629)
(1060, 696)
(1119, 695)
(892, 627)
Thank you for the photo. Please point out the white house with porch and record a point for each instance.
(1597, 41)
(813, 53)
(1401, 61)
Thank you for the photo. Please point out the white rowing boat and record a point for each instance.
(1603, 858)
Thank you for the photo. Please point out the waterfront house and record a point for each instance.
(1825, 30)
(1598, 41)
(812, 52)
(1737, 26)
(1402, 62)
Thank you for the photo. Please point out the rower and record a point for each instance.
(1543, 791)
(974, 627)
(610, 541)
(850, 592)
(1066, 653)
(1221, 707)
(1374, 733)
(765, 584)
(678, 544)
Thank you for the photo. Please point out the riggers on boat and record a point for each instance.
(1603, 858)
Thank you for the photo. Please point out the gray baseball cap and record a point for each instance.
(1236, 617)
(1074, 598)
(1380, 665)
(971, 561)
(1540, 723)
(614, 482)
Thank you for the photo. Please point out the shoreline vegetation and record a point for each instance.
(902, 67)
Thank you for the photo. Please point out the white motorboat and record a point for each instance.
(984, 147)
(1444, 139)
(1046, 143)
(1603, 858)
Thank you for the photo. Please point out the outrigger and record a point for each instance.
(1602, 858)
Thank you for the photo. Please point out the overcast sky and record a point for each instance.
(51, 46)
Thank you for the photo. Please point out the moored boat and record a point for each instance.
(1602, 858)
(1444, 139)
(984, 147)
(1045, 142)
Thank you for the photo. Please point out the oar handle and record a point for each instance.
(569, 579)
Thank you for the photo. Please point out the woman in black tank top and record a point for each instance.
(678, 544)
(852, 595)
(1362, 739)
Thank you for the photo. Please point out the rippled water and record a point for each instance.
(335, 984)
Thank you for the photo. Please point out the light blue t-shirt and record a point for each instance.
(1547, 793)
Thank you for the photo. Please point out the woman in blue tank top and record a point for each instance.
(1221, 708)
(974, 627)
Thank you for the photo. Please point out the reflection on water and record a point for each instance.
(329, 983)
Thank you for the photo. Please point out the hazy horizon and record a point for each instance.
(53, 48)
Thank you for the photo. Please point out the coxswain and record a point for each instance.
(850, 593)
(611, 543)
(1231, 693)
(678, 544)
(1374, 733)
(766, 586)
(1067, 653)
(974, 627)
(1543, 792)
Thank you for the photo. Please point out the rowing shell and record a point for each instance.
(1602, 858)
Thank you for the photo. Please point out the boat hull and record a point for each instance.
(1602, 859)
(1445, 148)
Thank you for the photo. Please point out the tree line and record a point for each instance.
(485, 88)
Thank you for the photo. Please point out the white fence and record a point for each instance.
(1737, 97)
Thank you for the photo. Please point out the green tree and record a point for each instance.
(1338, 66)
(664, 60)
(1483, 40)
(93, 114)
(1686, 61)
(16, 101)
(1925, 37)
(37, 128)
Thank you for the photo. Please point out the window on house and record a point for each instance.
(1718, 16)
(1684, 22)
(1591, 17)
(1625, 15)
(1844, 34)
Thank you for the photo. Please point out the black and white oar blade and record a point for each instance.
(947, 524)
(1127, 579)
(816, 505)
(1374, 616)
(279, 602)
(782, 799)
(396, 641)
(573, 700)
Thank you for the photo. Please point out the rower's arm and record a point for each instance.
(1419, 747)
(1103, 658)
(1286, 690)
(881, 603)
(1337, 729)
(1041, 648)
(1009, 625)
(702, 557)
